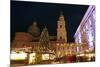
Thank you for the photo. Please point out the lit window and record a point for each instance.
(90, 22)
(86, 27)
(79, 36)
(57, 44)
(94, 15)
(90, 36)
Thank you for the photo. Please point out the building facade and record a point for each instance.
(85, 34)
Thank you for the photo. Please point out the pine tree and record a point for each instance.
(43, 45)
(44, 39)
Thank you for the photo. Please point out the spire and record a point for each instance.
(45, 28)
(61, 13)
(61, 16)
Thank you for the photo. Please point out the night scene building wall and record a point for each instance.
(85, 34)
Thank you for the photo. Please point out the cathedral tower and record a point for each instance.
(61, 29)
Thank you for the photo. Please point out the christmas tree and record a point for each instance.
(44, 39)
(43, 45)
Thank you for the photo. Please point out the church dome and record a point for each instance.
(34, 30)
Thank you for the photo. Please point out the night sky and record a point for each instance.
(45, 14)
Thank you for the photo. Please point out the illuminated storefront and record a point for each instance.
(18, 56)
(32, 58)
